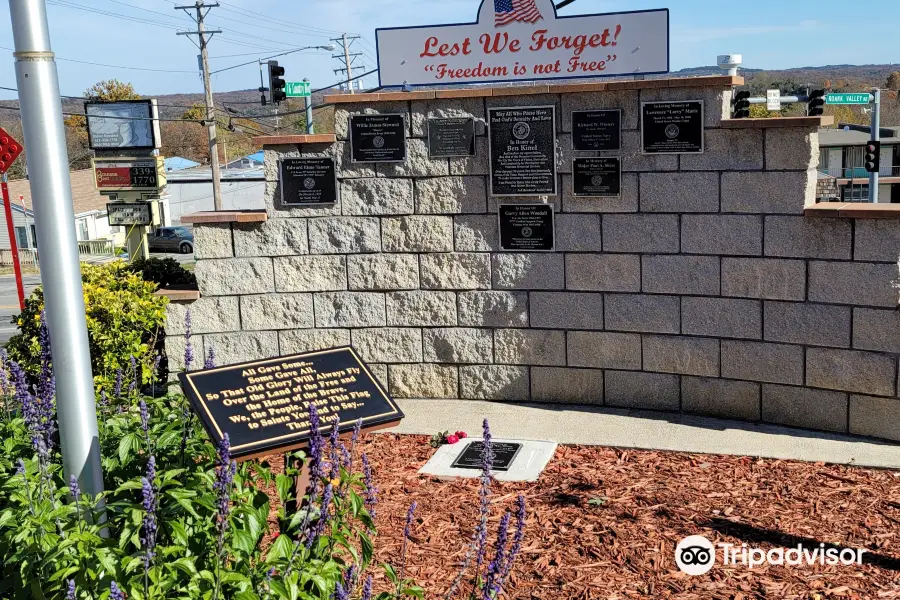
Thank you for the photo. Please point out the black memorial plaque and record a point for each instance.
(596, 130)
(526, 227)
(308, 181)
(378, 138)
(523, 151)
(597, 176)
(451, 137)
(672, 127)
(504, 454)
(263, 405)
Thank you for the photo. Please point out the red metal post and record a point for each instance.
(7, 207)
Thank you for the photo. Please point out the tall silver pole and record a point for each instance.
(310, 126)
(210, 112)
(876, 136)
(48, 166)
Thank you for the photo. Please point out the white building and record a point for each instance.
(190, 190)
(841, 164)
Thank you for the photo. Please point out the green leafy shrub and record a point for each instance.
(164, 271)
(124, 319)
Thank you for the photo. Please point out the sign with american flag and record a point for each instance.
(525, 40)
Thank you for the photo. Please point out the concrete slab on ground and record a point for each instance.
(591, 425)
(526, 465)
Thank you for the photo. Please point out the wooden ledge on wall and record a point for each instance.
(179, 295)
(285, 140)
(777, 122)
(853, 210)
(225, 216)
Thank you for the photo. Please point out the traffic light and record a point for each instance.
(262, 95)
(816, 106)
(741, 103)
(276, 83)
(873, 156)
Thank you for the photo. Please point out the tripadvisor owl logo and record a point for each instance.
(695, 555)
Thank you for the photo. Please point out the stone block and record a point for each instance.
(343, 235)
(876, 240)
(275, 237)
(680, 274)
(720, 398)
(680, 192)
(627, 101)
(578, 233)
(379, 196)
(722, 317)
(803, 407)
(494, 382)
(768, 192)
(383, 272)
(456, 271)
(298, 341)
(423, 381)
(342, 114)
(604, 350)
(851, 371)
(529, 271)
(350, 309)
(451, 195)
(760, 361)
(476, 233)
(680, 354)
(768, 278)
(422, 110)
(233, 276)
(625, 202)
(566, 310)
(175, 345)
(603, 272)
(418, 309)
(213, 240)
(633, 160)
(864, 284)
(806, 323)
(530, 347)
(727, 149)
(802, 237)
(208, 315)
(458, 345)
(277, 311)
(792, 149)
(576, 386)
(716, 101)
(343, 162)
(875, 417)
(388, 344)
(417, 234)
(417, 164)
(651, 391)
(740, 235)
(480, 164)
(493, 309)
(657, 234)
(872, 329)
(643, 313)
(310, 273)
(233, 348)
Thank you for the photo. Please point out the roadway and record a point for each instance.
(9, 302)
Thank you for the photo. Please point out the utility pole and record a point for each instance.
(202, 33)
(347, 58)
(875, 137)
(42, 125)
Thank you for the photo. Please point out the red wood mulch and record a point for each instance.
(622, 544)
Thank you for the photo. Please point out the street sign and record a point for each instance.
(773, 99)
(297, 89)
(864, 98)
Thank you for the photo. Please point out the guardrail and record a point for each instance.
(26, 257)
(861, 173)
(96, 247)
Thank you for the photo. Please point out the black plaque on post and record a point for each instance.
(597, 130)
(597, 176)
(263, 405)
(672, 127)
(526, 227)
(523, 151)
(451, 137)
(504, 454)
(378, 138)
(307, 181)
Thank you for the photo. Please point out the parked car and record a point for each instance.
(171, 239)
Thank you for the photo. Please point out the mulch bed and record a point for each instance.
(604, 523)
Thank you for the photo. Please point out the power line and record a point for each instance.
(241, 11)
(68, 114)
(86, 62)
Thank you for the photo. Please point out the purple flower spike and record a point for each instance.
(367, 589)
(487, 463)
(490, 590)
(350, 578)
(145, 422)
(370, 493)
(188, 345)
(74, 488)
(5, 385)
(20, 468)
(150, 503)
(324, 509)
(210, 362)
(70, 590)
(406, 531)
(340, 593)
(334, 442)
(115, 593)
(225, 470)
(117, 388)
(516, 542)
(135, 376)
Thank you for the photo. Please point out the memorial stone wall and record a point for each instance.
(669, 264)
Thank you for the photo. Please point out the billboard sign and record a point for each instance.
(525, 40)
(129, 173)
(124, 125)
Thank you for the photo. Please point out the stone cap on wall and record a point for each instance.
(225, 216)
(309, 138)
(853, 210)
(777, 122)
(566, 88)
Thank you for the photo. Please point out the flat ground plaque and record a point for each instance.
(263, 405)
(307, 181)
(526, 227)
(597, 176)
(504, 454)
(378, 138)
(523, 151)
(597, 129)
(451, 137)
(672, 127)
(527, 459)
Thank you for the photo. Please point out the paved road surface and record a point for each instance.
(9, 302)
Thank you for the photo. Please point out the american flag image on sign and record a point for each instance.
(516, 10)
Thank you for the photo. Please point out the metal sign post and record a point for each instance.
(42, 123)
(876, 136)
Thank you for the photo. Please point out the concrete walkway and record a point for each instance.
(569, 424)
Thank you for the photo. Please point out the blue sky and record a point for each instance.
(770, 34)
